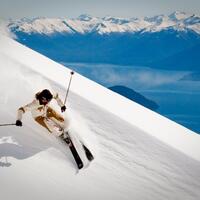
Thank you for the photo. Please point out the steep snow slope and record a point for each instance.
(138, 153)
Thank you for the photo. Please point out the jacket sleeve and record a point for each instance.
(59, 101)
(25, 108)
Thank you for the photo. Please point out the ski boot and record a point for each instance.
(65, 136)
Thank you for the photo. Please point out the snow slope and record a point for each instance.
(138, 153)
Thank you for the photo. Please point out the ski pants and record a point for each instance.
(56, 118)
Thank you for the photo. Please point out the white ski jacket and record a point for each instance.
(36, 108)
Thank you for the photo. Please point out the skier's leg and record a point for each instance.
(42, 121)
(57, 118)
(48, 124)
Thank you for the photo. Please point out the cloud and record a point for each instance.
(138, 78)
(135, 77)
(4, 29)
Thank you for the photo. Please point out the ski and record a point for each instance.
(74, 152)
(88, 153)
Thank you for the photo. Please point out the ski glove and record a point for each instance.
(63, 108)
(18, 123)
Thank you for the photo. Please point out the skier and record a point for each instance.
(44, 114)
(48, 118)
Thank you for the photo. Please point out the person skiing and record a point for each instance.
(44, 114)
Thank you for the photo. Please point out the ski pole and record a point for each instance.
(68, 87)
(7, 124)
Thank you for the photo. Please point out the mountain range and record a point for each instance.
(163, 41)
(86, 24)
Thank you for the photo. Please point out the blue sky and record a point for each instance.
(100, 8)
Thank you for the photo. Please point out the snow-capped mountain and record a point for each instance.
(149, 41)
(138, 154)
(87, 24)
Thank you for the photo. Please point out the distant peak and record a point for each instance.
(178, 15)
(117, 20)
(157, 18)
(85, 17)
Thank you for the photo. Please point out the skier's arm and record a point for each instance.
(60, 103)
(25, 108)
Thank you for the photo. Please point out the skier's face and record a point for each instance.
(44, 101)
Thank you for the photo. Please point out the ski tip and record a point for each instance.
(80, 166)
(91, 158)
